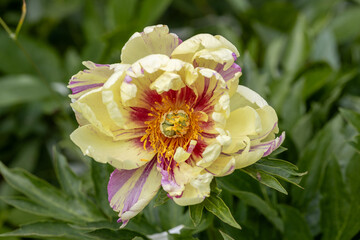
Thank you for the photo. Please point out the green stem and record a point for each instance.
(14, 36)
(264, 192)
(7, 29)
(21, 21)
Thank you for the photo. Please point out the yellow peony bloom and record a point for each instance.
(171, 114)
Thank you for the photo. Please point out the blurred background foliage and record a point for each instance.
(302, 56)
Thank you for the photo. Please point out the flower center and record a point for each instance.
(175, 124)
(169, 129)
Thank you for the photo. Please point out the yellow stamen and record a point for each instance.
(172, 126)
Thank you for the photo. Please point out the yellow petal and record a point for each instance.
(244, 121)
(181, 155)
(222, 166)
(186, 50)
(167, 81)
(112, 99)
(196, 191)
(210, 154)
(154, 40)
(127, 154)
(247, 157)
(269, 121)
(228, 44)
(212, 58)
(246, 97)
(91, 108)
(128, 92)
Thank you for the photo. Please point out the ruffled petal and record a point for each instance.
(153, 40)
(127, 154)
(129, 191)
(92, 108)
(269, 146)
(246, 157)
(210, 154)
(222, 166)
(196, 191)
(212, 58)
(244, 121)
(112, 99)
(87, 80)
(206, 47)
(246, 97)
(230, 75)
(269, 126)
(252, 153)
(167, 81)
(186, 50)
(228, 44)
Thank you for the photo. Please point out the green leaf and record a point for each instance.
(225, 236)
(14, 58)
(216, 206)
(351, 226)
(46, 230)
(314, 158)
(26, 205)
(273, 56)
(263, 207)
(16, 89)
(122, 234)
(297, 49)
(69, 182)
(295, 226)
(151, 10)
(264, 178)
(315, 79)
(46, 195)
(161, 198)
(100, 174)
(253, 79)
(343, 25)
(335, 201)
(280, 169)
(351, 117)
(324, 48)
(214, 188)
(120, 13)
(196, 213)
(279, 150)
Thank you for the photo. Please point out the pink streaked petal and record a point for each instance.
(129, 191)
(269, 146)
(229, 73)
(93, 77)
(168, 181)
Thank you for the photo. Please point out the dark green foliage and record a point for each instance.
(303, 57)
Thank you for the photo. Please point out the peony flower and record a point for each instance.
(170, 115)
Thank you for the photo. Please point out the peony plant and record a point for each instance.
(171, 114)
